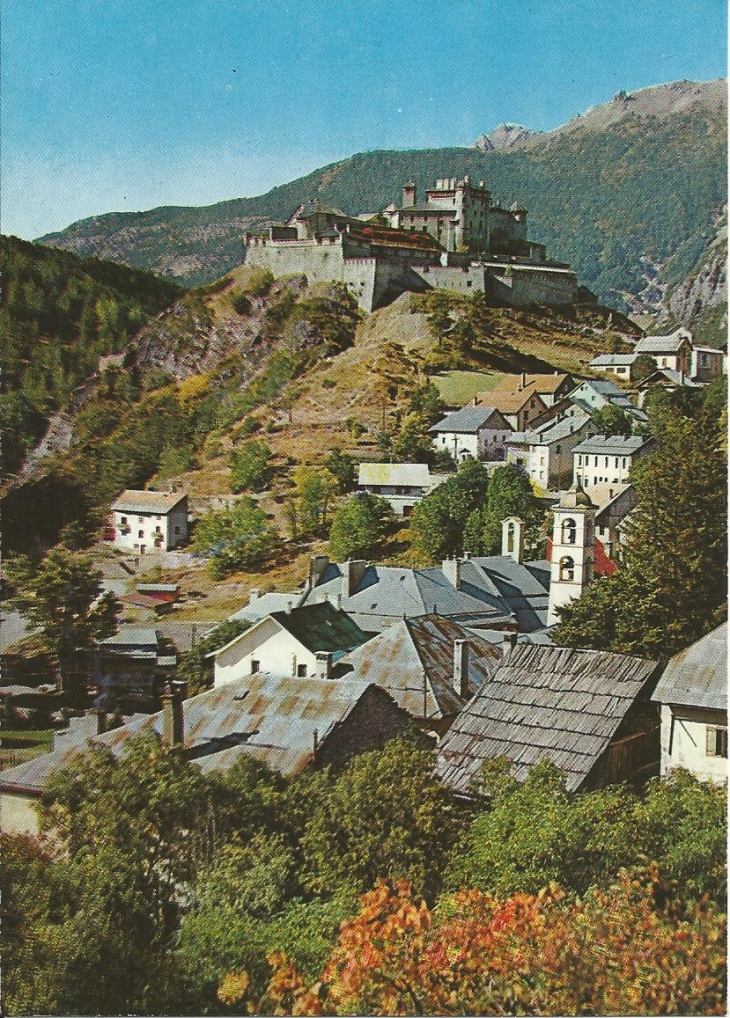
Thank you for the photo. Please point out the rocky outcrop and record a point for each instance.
(504, 138)
(704, 289)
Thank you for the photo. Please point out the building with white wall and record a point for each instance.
(478, 431)
(402, 485)
(146, 521)
(692, 693)
(546, 452)
(572, 553)
(673, 351)
(300, 643)
(607, 459)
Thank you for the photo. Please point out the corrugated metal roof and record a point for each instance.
(414, 661)
(266, 604)
(322, 627)
(161, 502)
(697, 676)
(409, 474)
(552, 703)
(273, 719)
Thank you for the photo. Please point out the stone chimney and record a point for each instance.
(102, 722)
(523, 381)
(509, 640)
(324, 664)
(317, 565)
(173, 715)
(336, 601)
(513, 538)
(452, 571)
(253, 595)
(352, 572)
(409, 195)
(461, 668)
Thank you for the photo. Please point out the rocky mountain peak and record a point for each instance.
(503, 138)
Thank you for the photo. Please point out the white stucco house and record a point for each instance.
(607, 459)
(692, 693)
(301, 643)
(478, 431)
(146, 521)
(546, 453)
(673, 351)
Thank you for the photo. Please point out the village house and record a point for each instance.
(478, 431)
(586, 711)
(402, 485)
(146, 521)
(613, 504)
(545, 452)
(607, 459)
(673, 351)
(518, 408)
(288, 724)
(663, 378)
(551, 388)
(707, 364)
(300, 643)
(619, 364)
(692, 693)
(132, 665)
(595, 393)
(431, 666)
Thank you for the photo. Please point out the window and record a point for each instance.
(255, 666)
(140, 519)
(140, 533)
(124, 520)
(716, 741)
(568, 532)
(301, 671)
(567, 568)
(158, 530)
(177, 531)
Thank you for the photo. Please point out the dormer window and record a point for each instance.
(568, 531)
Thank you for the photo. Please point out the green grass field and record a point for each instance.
(20, 745)
(460, 387)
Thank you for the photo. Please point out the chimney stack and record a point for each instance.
(461, 668)
(352, 572)
(509, 640)
(452, 571)
(253, 595)
(324, 664)
(101, 722)
(523, 380)
(173, 716)
(317, 565)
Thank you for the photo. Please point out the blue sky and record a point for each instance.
(121, 105)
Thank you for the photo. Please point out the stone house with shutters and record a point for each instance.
(148, 521)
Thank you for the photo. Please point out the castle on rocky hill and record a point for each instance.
(455, 239)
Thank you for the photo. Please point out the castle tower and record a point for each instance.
(571, 559)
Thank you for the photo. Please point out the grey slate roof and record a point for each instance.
(613, 360)
(156, 502)
(469, 420)
(270, 719)
(267, 604)
(613, 445)
(414, 662)
(697, 676)
(662, 344)
(494, 591)
(543, 703)
(555, 430)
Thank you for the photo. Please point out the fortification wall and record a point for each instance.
(522, 285)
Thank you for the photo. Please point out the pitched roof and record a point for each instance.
(697, 676)
(621, 445)
(555, 430)
(494, 590)
(408, 474)
(507, 400)
(663, 344)
(159, 502)
(543, 703)
(414, 661)
(467, 421)
(538, 382)
(322, 627)
(270, 719)
(603, 386)
(613, 360)
(265, 604)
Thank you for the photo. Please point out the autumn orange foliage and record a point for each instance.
(614, 952)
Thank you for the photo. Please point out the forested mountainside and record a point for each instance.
(629, 194)
(58, 315)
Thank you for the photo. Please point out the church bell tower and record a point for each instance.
(571, 559)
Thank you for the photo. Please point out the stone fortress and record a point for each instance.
(455, 239)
